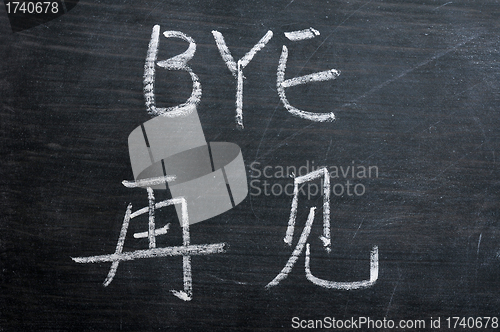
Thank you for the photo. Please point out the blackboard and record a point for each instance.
(416, 99)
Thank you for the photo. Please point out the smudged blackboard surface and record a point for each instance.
(418, 97)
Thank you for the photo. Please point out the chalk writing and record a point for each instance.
(281, 83)
(302, 34)
(237, 70)
(186, 250)
(323, 174)
(179, 62)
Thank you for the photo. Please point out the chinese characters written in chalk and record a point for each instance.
(323, 174)
(186, 250)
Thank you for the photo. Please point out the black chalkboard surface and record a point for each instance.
(411, 158)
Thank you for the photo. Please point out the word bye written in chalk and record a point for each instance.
(179, 62)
